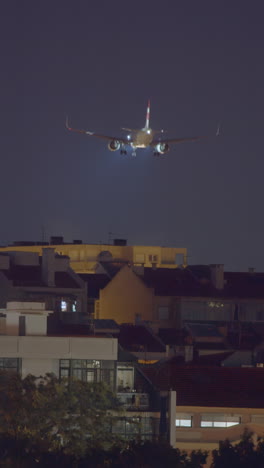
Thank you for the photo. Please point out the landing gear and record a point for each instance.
(156, 153)
(134, 153)
(122, 151)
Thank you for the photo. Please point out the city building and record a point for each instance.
(85, 258)
(26, 276)
(171, 297)
(212, 403)
(27, 347)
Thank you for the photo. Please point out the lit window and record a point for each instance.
(132, 425)
(153, 258)
(63, 306)
(125, 378)
(217, 305)
(219, 420)
(184, 422)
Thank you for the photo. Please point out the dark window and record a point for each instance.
(10, 364)
(22, 325)
(89, 370)
(130, 427)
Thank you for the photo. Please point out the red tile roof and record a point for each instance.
(65, 280)
(138, 338)
(195, 281)
(212, 359)
(210, 386)
(173, 336)
(30, 276)
(95, 282)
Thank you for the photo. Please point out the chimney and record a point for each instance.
(120, 242)
(217, 276)
(48, 267)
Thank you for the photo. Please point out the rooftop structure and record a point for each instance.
(85, 258)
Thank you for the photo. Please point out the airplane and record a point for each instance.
(140, 138)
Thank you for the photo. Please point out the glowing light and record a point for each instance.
(148, 131)
(129, 137)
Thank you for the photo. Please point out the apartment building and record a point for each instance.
(26, 276)
(85, 258)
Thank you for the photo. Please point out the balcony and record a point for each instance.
(134, 401)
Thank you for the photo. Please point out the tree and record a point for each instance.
(44, 414)
(148, 454)
(245, 454)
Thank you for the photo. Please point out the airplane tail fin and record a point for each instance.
(147, 115)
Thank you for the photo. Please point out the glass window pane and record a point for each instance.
(206, 424)
(90, 376)
(219, 424)
(119, 426)
(146, 425)
(108, 364)
(184, 422)
(64, 363)
(63, 306)
(77, 363)
(132, 425)
(96, 364)
(125, 379)
(9, 364)
(219, 420)
(77, 374)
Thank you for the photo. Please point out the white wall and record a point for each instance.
(36, 325)
(46, 347)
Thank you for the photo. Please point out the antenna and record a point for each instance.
(43, 233)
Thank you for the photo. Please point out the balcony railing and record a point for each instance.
(134, 400)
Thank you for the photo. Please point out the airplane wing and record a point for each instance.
(176, 140)
(182, 140)
(98, 135)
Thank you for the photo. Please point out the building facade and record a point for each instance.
(24, 276)
(84, 258)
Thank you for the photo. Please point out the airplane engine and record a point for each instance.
(162, 148)
(114, 145)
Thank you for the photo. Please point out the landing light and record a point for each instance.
(129, 137)
(148, 131)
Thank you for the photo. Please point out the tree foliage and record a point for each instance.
(47, 414)
(48, 422)
(245, 454)
(149, 454)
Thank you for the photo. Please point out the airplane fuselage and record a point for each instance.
(142, 138)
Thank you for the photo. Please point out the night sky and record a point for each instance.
(200, 62)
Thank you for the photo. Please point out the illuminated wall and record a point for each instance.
(126, 299)
(84, 257)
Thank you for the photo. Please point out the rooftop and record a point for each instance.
(95, 282)
(210, 386)
(195, 281)
(138, 338)
(30, 275)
